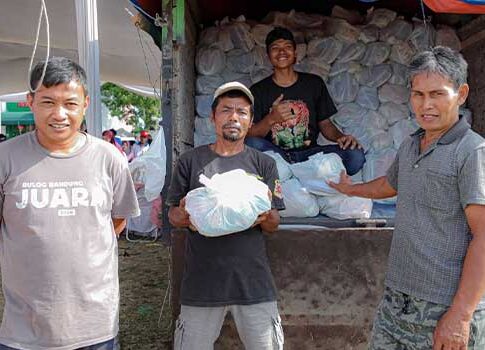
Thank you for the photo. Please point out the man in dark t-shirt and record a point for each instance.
(227, 273)
(291, 108)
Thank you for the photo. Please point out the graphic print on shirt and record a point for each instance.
(293, 133)
(65, 196)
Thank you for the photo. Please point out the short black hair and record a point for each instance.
(279, 33)
(60, 70)
(232, 94)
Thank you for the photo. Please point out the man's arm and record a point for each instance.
(178, 216)
(332, 133)
(279, 112)
(375, 189)
(452, 331)
(119, 225)
(269, 221)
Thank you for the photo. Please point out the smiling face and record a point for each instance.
(435, 101)
(58, 113)
(232, 118)
(282, 53)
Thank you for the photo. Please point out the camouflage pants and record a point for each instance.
(404, 322)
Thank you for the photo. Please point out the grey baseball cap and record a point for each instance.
(233, 85)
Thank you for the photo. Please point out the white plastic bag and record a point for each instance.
(393, 93)
(343, 88)
(317, 170)
(326, 49)
(284, 170)
(230, 202)
(376, 53)
(299, 202)
(368, 98)
(152, 167)
(375, 76)
(344, 207)
(210, 60)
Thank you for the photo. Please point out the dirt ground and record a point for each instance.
(144, 276)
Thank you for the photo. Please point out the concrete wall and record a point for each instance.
(473, 41)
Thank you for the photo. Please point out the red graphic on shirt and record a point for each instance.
(293, 133)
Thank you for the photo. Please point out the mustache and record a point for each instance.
(232, 125)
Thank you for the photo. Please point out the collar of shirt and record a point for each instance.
(455, 132)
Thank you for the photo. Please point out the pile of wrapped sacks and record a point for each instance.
(363, 61)
(306, 192)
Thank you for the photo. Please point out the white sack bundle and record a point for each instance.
(369, 34)
(341, 67)
(210, 60)
(207, 84)
(230, 202)
(284, 170)
(446, 36)
(397, 30)
(343, 88)
(240, 61)
(352, 52)
(326, 49)
(375, 76)
(393, 93)
(317, 170)
(203, 105)
(299, 203)
(401, 130)
(343, 207)
(399, 74)
(376, 53)
(368, 98)
(241, 36)
(422, 38)
(381, 17)
(259, 33)
(393, 112)
(402, 52)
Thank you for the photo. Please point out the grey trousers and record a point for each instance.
(258, 325)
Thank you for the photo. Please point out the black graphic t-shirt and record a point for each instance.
(231, 269)
(310, 101)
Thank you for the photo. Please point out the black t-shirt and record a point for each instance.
(310, 102)
(231, 269)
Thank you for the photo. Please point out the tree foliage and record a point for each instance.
(131, 107)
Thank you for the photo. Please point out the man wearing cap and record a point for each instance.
(143, 146)
(291, 108)
(228, 273)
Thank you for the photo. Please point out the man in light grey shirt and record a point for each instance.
(435, 285)
(64, 196)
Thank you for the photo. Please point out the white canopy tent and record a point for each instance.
(122, 59)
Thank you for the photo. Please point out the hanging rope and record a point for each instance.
(43, 12)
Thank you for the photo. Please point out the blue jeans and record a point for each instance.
(353, 159)
(107, 345)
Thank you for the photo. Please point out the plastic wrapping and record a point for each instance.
(368, 98)
(381, 17)
(369, 34)
(376, 53)
(402, 52)
(259, 33)
(343, 88)
(240, 61)
(241, 36)
(317, 170)
(261, 57)
(352, 52)
(151, 168)
(203, 105)
(300, 52)
(393, 93)
(207, 84)
(349, 114)
(377, 164)
(401, 130)
(349, 67)
(394, 112)
(299, 202)
(343, 207)
(284, 170)
(422, 38)
(314, 66)
(210, 60)
(230, 202)
(204, 126)
(326, 49)
(399, 74)
(259, 73)
(375, 76)
(397, 30)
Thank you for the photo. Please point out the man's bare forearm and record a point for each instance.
(375, 189)
(329, 130)
(271, 224)
(472, 283)
(261, 128)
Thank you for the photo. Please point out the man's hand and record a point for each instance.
(452, 332)
(348, 141)
(344, 184)
(261, 218)
(281, 111)
(179, 217)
